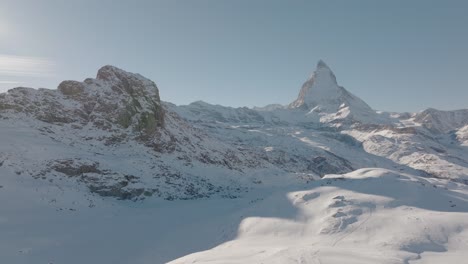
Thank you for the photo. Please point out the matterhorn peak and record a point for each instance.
(323, 74)
(321, 85)
(321, 94)
(322, 64)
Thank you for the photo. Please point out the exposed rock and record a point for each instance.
(71, 88)
(70, 168)
(115, 111)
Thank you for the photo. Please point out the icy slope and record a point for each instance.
(367, 216)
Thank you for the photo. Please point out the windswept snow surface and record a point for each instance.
(366, 216)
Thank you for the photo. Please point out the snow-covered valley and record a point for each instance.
(103, 171)
(367, 216)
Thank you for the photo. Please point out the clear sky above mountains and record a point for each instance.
(395, 55)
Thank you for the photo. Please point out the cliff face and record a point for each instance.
(115, 99)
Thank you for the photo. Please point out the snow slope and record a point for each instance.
(366, 216)
(442, 121)
(60, 222)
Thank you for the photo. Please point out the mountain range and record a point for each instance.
(315, 180)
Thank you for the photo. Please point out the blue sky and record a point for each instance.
(395, 55)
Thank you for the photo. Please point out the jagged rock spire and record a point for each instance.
(321, 94)
(321, 85)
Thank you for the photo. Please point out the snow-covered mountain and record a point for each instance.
(321, 100)
(328, 102)
(326, 117)
(113, 135)
(324, 179)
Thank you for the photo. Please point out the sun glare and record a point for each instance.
(25, 66)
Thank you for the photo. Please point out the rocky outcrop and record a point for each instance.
(117, 109)
(115, 99)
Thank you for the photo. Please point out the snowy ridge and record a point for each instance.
(442, 121)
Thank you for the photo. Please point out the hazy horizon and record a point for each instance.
(397, 56)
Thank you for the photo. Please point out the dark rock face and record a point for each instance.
(320, 163)
(142, 97)
(69, 168)
(71, 88)
(114, 98)
(132, 84)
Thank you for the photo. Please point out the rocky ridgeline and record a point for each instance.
(119, 110)
(113, 135)
(114, 100)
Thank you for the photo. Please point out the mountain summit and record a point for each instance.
(321, 95)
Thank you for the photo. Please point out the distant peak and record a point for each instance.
(322, 92)
(323, 73)
(199, 102)
(322, 70)
(322, 64)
